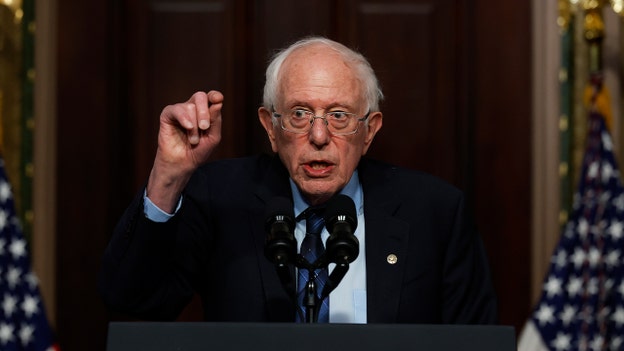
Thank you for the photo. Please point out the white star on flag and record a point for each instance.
(567, 315)
(616, 343)
(615, 230)
(13, 277)
(5, 189)
(618, 202)
(561, 259)
(574, 286)
(6, 333)
(8, 305)
(545, 315)
(562, 342)
(18, 248)
(553, 287)
(26, 334)
(30, 305)
(618, 316)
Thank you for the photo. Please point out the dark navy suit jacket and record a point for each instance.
(214, 246)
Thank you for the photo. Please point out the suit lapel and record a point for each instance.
(386, 243)
(272, 181)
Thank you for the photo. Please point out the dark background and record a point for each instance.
(456, 75)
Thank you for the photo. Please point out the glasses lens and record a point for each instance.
(297, 121)
(338, 123)
(341, 122)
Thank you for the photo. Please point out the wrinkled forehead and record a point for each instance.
(319, 65)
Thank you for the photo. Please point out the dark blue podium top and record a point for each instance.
(184, 336)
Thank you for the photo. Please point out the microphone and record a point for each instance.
(280, 246)
(341, 220)
(342, 247)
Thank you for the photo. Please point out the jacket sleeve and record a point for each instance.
(140, 274)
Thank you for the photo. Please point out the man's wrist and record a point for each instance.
(155, 213)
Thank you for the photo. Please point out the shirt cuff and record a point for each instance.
(154, 213)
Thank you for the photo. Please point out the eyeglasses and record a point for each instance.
(300, 121)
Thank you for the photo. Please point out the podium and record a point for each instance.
(196, 336)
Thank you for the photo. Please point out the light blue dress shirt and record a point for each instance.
(347, 303)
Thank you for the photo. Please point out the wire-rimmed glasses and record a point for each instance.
(300, 121)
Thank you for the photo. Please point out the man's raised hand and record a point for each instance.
(189, 133)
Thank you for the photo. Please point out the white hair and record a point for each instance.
(356, 61)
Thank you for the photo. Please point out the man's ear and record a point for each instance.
(375, 121)
(266, 119)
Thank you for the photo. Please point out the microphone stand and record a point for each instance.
(311, 300)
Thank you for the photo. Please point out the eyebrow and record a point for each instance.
(334, 105)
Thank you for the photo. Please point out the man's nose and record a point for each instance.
(319, 134)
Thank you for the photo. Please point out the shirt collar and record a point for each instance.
(353, 189)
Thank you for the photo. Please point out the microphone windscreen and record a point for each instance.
(341, 207)
(279, 207)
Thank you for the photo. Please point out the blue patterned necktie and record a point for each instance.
(312, 248)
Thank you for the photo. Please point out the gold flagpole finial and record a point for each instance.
(593, 21)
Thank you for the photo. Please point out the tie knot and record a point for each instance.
(314, 220)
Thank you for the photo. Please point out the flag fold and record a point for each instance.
(582, 301)
(23, 322)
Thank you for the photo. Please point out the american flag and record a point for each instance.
(23, 322)
(582, 302)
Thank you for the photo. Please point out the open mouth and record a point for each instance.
(318, 168)
(317, 165)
